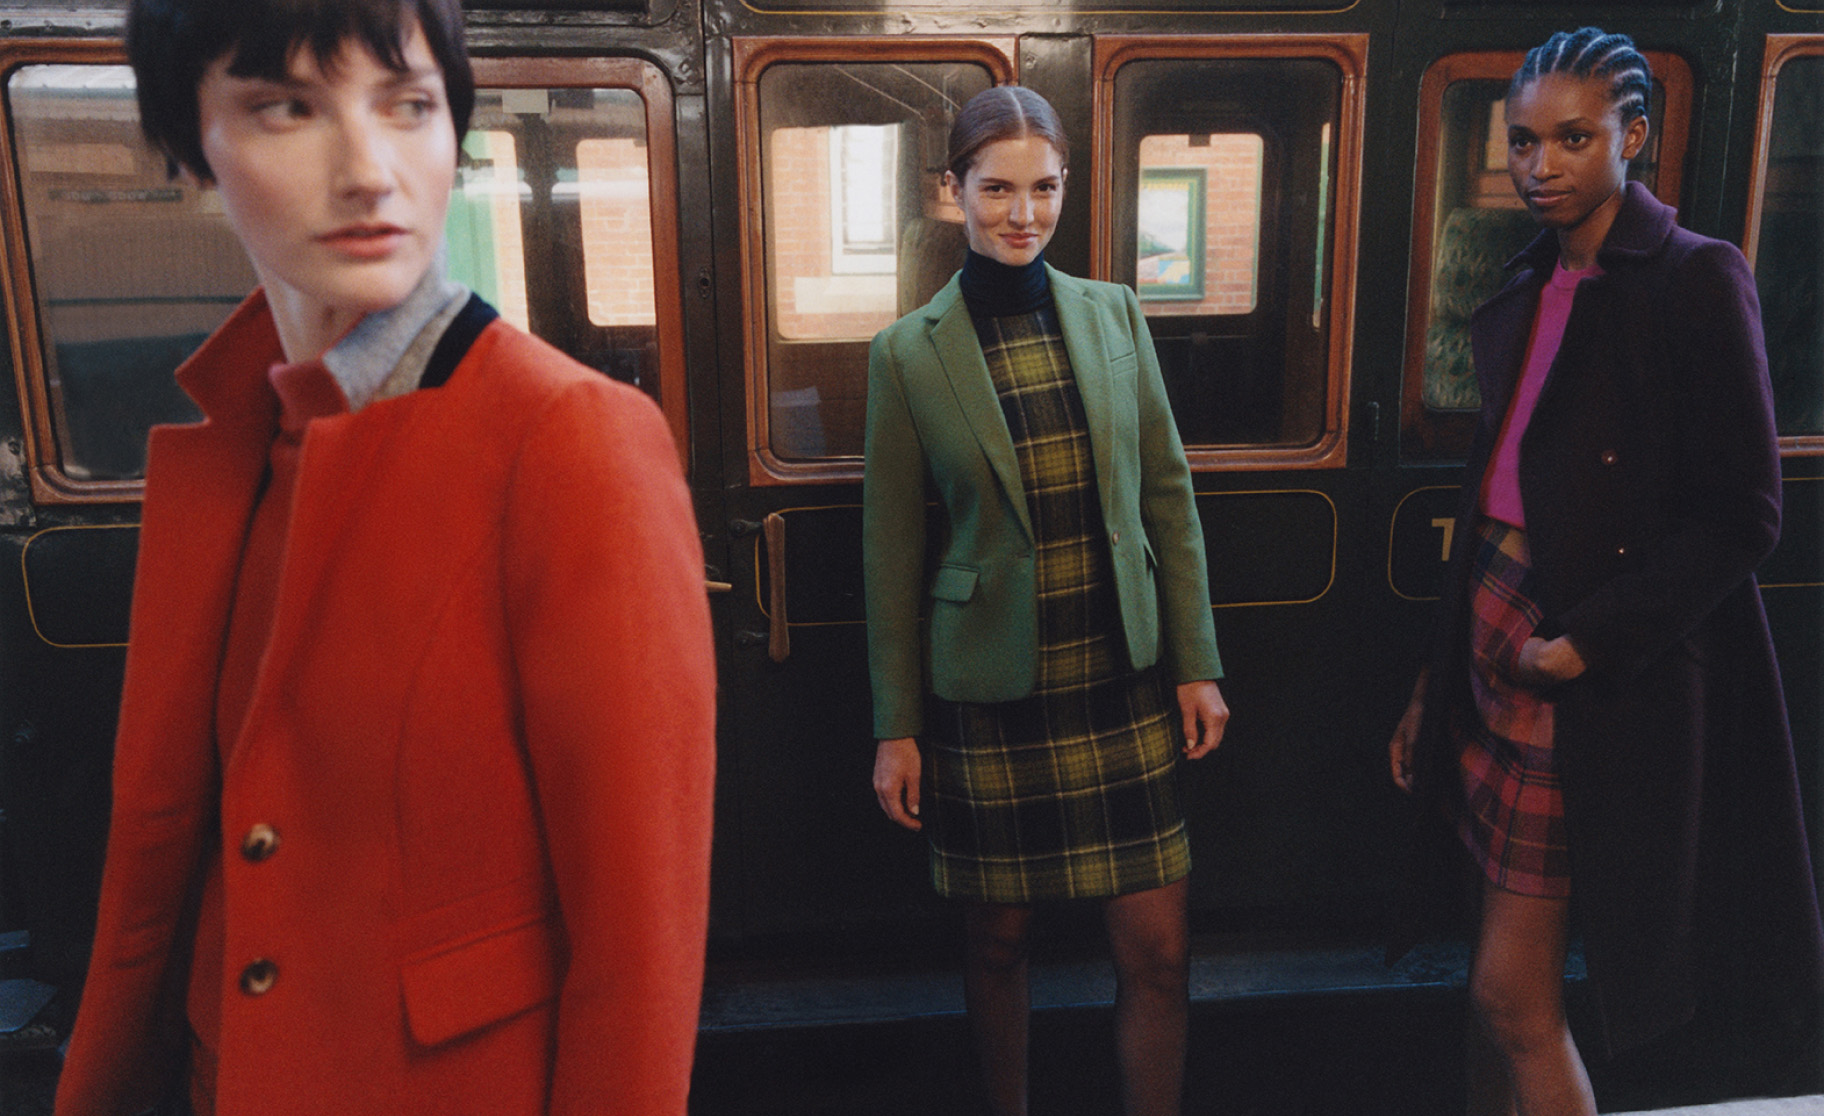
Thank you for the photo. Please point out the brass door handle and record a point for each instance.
(778, 636)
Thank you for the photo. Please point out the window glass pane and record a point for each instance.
(1198, 219)
(835, 242)
(858, 230)
(1221, 211)
(555, 182)
(617, 231)
(132, 269)
(486, 250)
(1480, 224)
(1789, 258)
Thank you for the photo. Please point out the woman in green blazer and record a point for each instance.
(1028, 631)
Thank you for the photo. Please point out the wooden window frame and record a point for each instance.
(1781, 49)
(1349, 53)
(50, 484)
(752, 56)
(1673, 74)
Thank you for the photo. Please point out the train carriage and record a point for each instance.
(722, 200)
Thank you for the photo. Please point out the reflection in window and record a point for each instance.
(132, 269)
(1789, 257)
(834, 236)
(863, 160)
(482, 228)
(1198, 223)
(858, 230)
(617, 231)
(1221, 209)
(557, 179)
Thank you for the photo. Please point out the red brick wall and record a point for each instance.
(616, 210)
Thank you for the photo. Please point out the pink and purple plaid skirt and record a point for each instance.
(1512, 810)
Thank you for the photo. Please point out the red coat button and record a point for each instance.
(259, 976)
(1610, 457)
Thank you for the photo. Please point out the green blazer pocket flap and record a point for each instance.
(954, 583)
(465, 987)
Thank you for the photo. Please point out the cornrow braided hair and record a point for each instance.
(1589, 52)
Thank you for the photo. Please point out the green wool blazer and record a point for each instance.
(950, 588)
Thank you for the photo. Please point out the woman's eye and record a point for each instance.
(415, 108)
(281, 111)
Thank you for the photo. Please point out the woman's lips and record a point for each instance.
(366, 242)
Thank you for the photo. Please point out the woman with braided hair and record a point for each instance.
(1601, 721)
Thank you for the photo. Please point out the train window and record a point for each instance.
(1228, 201)
(126, 270)
(845, 159)
(1467, 223)
(1786, 235)
(130, 270)
(570, 172)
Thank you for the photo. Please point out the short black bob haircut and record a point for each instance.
(171, 43)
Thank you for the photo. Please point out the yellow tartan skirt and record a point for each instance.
(1067, 795)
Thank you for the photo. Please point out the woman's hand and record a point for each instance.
(1205, 716)
(1405, 734)
(896, 773)
(1547, 662)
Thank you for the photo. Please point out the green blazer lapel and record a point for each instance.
(960, 352)
(1083, 324)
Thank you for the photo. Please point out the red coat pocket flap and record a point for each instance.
(465, 987)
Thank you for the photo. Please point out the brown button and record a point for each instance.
(1117, 536)
(260, 843)
(1621, 552)
(259, 976)
(1610, 457)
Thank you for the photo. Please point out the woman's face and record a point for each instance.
(1010, 198)
(336, 181)
(1568, 151)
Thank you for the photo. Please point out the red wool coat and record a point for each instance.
(483, 733)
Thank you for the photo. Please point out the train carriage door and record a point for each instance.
(843, 228)
(1227, 172)
(1785, 243)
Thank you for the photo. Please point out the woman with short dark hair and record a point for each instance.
(413, 776)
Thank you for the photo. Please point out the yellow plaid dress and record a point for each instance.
(1072, 792)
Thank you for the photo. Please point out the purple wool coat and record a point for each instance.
(1650, 475)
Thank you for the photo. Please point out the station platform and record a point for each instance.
(1777, 1106)
(1316, 1031)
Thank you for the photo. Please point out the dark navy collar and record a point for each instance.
(475, 316)
(997, 290)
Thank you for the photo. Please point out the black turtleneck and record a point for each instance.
(993, 289)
